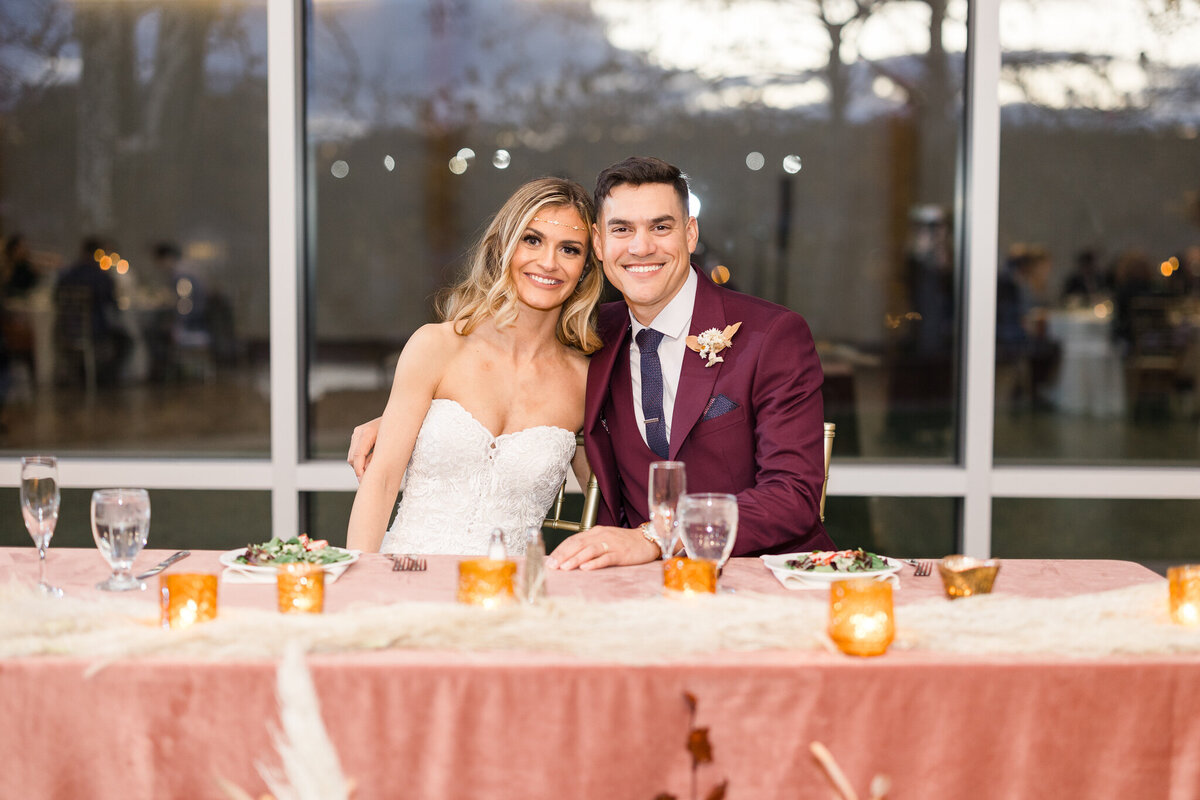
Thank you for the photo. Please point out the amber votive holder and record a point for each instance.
(187, 598)
(301, 588)
(860, 616)
(486, 582)
(689, 576)
(1184, 586)
(963, 576)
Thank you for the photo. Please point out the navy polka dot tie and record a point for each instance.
(652, 391)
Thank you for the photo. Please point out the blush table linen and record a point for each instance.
(428, 724)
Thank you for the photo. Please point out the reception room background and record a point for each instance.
(887, 168)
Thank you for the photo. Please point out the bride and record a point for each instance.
(479, 428)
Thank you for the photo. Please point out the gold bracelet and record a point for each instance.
(649, 537)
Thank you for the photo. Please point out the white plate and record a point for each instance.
(778, 565)
(230, 557)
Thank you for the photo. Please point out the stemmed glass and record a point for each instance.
(39, 506)
(708, 525)
(120, 526)
(668, 482)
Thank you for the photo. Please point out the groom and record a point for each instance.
(747, 419)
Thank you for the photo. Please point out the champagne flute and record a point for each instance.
(120, 526)
(40, 499)
(708, 525)
(668, 482)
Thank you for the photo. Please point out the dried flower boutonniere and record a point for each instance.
(713, 341)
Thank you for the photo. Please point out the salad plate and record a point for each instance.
(818, 566)
(329, 557)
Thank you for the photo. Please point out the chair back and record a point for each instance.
(73, 322)
(591, 504)
(75, 333)
(830, 430)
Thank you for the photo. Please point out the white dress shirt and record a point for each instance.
(673, 323)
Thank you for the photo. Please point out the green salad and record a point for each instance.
(839, 561)
(299, 549)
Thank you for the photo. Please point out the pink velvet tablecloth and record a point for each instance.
(416, 724)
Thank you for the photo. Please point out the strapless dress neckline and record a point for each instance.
(463, 482)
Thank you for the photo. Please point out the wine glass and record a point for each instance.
(668, 482)
(39, 506)
(708, 525)
(120, 526)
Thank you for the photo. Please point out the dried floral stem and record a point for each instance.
(833, 772)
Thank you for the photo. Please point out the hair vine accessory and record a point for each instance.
(554, 222)
(713, 341)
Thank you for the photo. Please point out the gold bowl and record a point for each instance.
(964, 576)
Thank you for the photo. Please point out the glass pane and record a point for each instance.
(821, 153)
(1156, 533)
(179, 519)
(134, 287)
(903, 527)
(1098, 308)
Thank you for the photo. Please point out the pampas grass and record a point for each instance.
(311, 770)
(1129, 621)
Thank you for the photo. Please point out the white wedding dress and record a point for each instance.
(462, 483)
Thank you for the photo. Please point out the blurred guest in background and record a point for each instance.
(1133, 278)
(87, 324)
(19, 275)
(1087, 284)
(181, 321)
(17, 280)
(920, 380)
(1021, 340)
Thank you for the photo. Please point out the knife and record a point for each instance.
(166, 562)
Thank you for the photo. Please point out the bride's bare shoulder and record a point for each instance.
(428, 350)
(438, 339)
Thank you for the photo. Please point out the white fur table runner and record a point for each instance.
(1132, 621)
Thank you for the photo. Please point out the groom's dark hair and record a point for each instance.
(638, 170)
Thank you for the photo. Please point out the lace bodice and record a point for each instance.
(462, 482)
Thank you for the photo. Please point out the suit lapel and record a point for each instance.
(696, 381)
(614, 326)
(613, 331)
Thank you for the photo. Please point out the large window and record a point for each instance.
(1098, 300)
(819, 138)
(133, 185)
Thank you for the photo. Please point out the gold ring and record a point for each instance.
(605, 546)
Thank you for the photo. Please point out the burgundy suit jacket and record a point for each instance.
(751, 425)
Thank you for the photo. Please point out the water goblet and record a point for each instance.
(120, 526)
(667, 483)
(40, 499)
(708, 526)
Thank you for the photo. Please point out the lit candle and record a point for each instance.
(486, 582)
(301, 588)
(187, 598)
(1184, 583)
(689, 576)
(860, 616)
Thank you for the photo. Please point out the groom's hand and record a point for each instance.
(602, 546)
(362, 446)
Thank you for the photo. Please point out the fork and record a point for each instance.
(922, 568)
(407, 564)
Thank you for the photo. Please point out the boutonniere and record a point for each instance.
(713, 341)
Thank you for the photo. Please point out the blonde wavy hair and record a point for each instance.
(487, 289)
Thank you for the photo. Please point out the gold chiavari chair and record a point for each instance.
(591, 504)
(830, 430)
